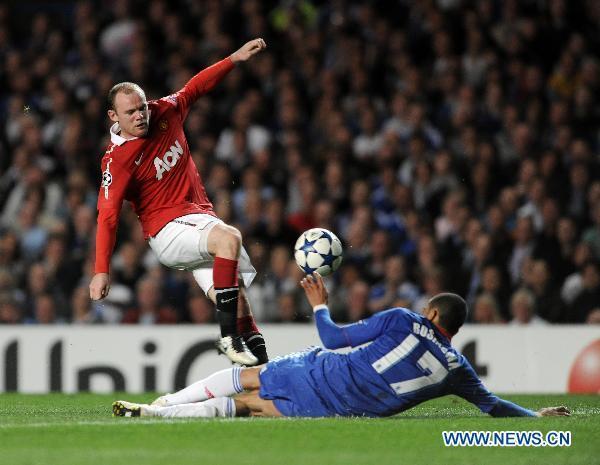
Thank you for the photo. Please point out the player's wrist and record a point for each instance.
(318, 307)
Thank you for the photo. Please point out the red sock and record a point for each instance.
(225, 273)
(246, 324)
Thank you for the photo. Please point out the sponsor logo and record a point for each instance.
(168, 160)
(139, 160)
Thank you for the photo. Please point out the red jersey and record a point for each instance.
(155, 173)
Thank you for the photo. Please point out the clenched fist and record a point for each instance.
(249, 49)
(99, 286)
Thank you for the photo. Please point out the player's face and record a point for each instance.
(131, 112)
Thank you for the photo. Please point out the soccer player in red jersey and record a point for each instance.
(149, 164)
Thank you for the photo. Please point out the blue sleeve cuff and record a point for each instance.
(505, 408)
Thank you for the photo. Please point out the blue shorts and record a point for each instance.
(291, 382)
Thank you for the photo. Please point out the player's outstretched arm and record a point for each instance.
(505, 408)
(332, 335)
(208, 78)
(467, 385)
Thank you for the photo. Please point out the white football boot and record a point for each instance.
(236, 350)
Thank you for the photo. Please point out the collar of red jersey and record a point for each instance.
(115, 138)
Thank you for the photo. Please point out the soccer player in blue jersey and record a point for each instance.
(409, 360)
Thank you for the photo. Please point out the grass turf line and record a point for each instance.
(78, 429)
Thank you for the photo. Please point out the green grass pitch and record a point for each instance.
(78, 429)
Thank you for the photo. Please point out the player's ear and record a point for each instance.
(112, 114)
(431, 313)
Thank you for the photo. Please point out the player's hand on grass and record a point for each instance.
(99, 286)
(561, 411)
(248, 50)
(315, 289)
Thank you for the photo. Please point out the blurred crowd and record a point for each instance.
(451, 144)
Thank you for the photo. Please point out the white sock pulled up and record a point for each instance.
(211, 408)
(223, 383)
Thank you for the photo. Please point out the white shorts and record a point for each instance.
(183, 245)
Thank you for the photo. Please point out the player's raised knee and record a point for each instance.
(226, 241)
(232, 238)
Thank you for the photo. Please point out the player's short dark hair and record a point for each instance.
(126, 88)
(452, 310)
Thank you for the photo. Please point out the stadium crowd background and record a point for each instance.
(452, 145)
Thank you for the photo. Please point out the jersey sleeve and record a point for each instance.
(355, 334)
(466, 384)
(115, 180)
(200, 84)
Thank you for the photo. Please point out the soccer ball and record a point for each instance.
(318, 250)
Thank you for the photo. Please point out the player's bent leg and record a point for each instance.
(250, 378)
(256, 406)
(223, 383)
(223, 407)
(225, 242)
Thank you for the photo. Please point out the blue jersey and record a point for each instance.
(409, 361)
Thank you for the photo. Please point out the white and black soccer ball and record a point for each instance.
(318, 250)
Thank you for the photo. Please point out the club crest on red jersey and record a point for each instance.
(163, 125)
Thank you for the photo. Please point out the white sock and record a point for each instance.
(219, 407)
(223, 383)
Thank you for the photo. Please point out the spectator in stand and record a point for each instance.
(522, 309)
(573, 284)
(357, 302)
(82, 309)
(548, 302)
(10, 312)
(395, 290)
(200, 310)
(589, 297)
(128, 268)
(485, 310)
(150, 309)
(522, 249)
(44, 310)
(379, 251)
(594, 316)
(592, 234)
(493, 283)
(439, 132)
